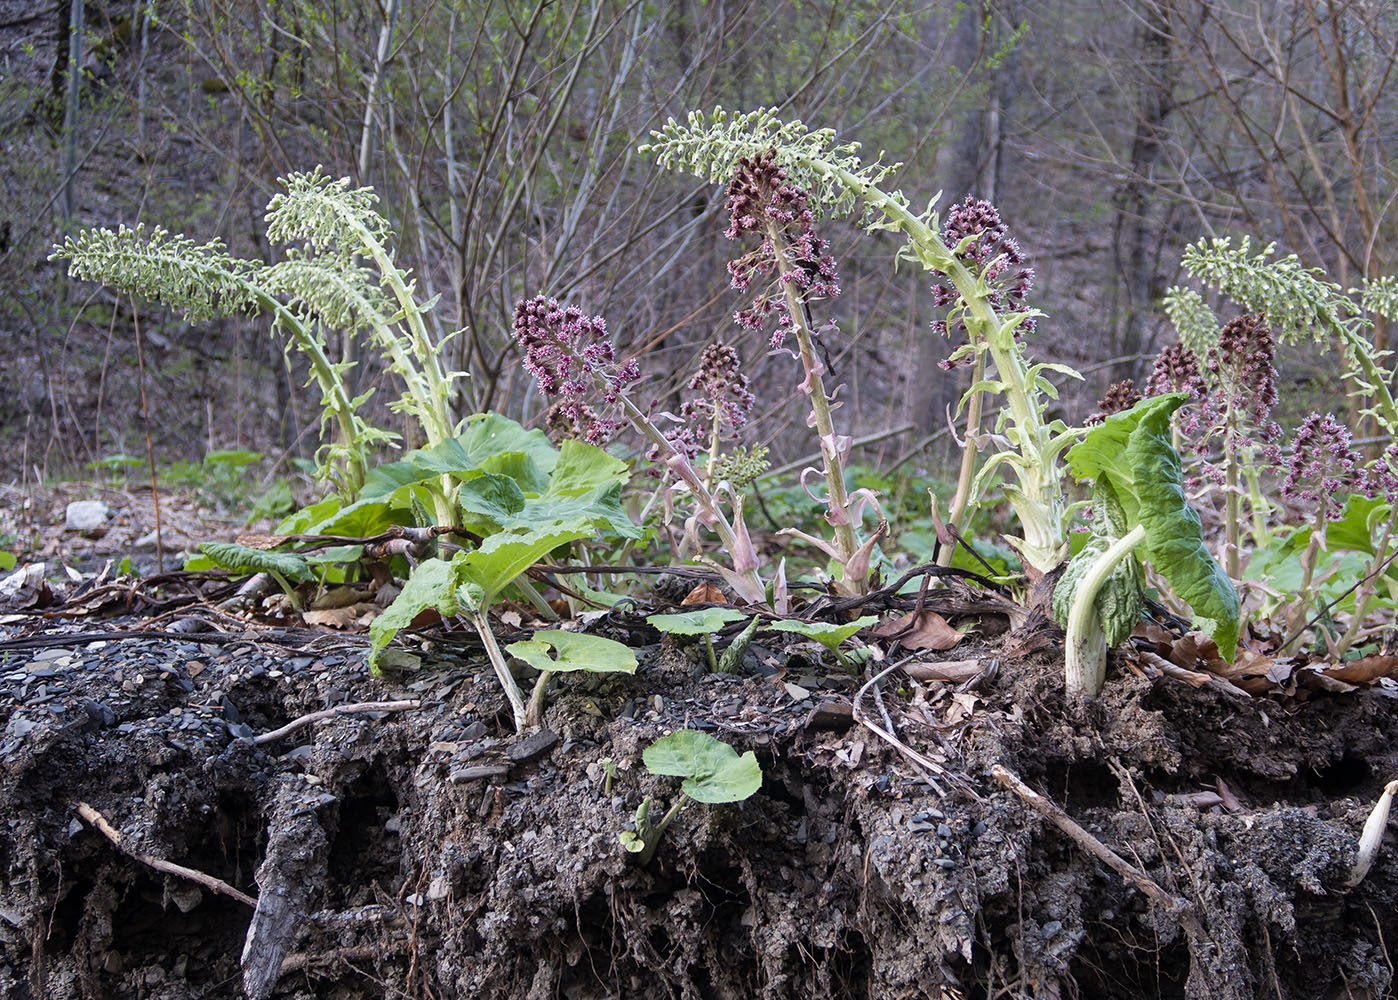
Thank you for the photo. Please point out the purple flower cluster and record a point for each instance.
(571, 356)
(760, 198)
(1120, 396)
(994, 255)
(1323, 465)
(723, 390)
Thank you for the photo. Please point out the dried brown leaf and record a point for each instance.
(350, 616)
(339, 597)
(1364, 670)
(954, 671)
(705, 593)
(265, 543)
(928, 630)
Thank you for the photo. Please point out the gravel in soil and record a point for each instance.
(430, 852)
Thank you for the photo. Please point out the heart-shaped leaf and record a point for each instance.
(242, 559)
(828, 635)
(712, 770)
(574, 651)
(705, 621)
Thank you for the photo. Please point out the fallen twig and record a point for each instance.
(330, 713)
(96, 820)
(926, 764)
(1176, 907)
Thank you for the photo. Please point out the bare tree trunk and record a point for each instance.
(1135, 229)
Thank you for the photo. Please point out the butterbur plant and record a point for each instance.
(834, 179)
(573, 362)
(1323, 468)
(786, 268)
(713, 772)
(1140, 516)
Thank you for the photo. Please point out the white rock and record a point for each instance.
(87, 515)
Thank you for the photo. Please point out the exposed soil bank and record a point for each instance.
(430, 853)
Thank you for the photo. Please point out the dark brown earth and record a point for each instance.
(428, 853)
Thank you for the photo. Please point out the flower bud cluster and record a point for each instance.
(761, 198)
(1120, 396)
(1177, 370)
(723, 390)
(994, 255)
(1242, 361)
(571, 355)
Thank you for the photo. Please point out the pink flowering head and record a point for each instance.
(1380, 480)
(993, 254)
(723, 390)
(1120, 396)
(1322, 464)
(572, 359)
(762, 202)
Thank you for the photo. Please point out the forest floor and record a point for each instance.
(422, 849)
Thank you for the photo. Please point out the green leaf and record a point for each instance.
(712, 770)
(601, 508)
(241, 559)
(1131, 452)
(297, 523)
(490, 498)
(363, 519)
(705, 621)
(485, 436)
(431, 585)
(575, 651)
(828, 635)
(483, 573)
(583, 468)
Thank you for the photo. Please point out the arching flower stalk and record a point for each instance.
(838, 181)
(573, 361)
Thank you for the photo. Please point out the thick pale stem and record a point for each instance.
(534, 711)
(1366, 590)
(969, 451)
(837, 500)
(1085, 654)
(653, 835)
(1296, 619)
(1232, 505)
(502, 670)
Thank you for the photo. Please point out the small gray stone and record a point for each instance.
(87, 515)
(532, 747)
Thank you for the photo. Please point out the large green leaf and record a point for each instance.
(1131, 453)
(583, 468)
(486, 436)
(430, 586)
(481, 574)
(575, 651)
(489, 499)
(712, 770)
(241, 559)
(601, 508)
